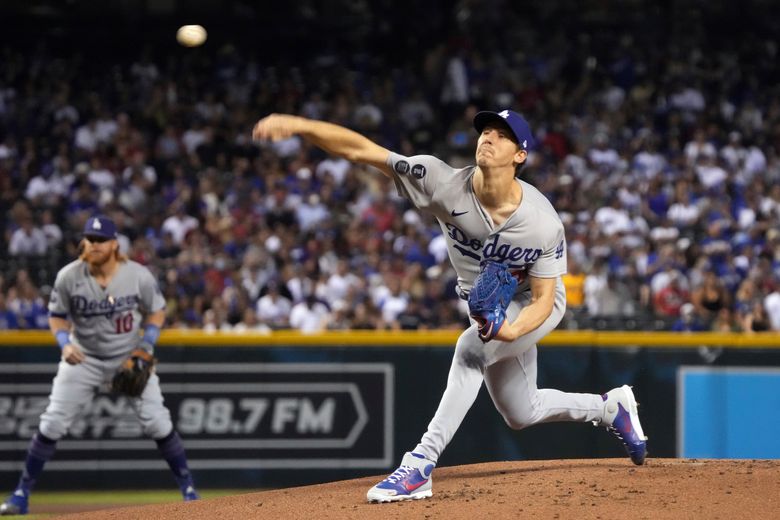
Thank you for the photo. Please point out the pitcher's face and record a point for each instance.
(497, 148)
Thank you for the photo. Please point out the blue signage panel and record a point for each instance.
(728, 412)
(232, 416)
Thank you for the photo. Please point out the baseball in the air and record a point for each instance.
(191, 35)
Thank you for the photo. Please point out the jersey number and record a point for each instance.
(559, 250)
(124, 323)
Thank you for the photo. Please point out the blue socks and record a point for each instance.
(39, 452)
(42, 449)
(172, 451)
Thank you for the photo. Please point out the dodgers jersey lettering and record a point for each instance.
(530, 241)
(106, 321)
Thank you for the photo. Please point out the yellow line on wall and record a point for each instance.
(435, 338)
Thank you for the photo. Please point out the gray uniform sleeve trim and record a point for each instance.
(151, 296)
(416, 177)
(554, 259)
(399, 186)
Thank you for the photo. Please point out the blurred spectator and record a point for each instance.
(594, 285)
(340, 284)
(688, 98)
(602, 156)
(668, 301)
(394, 301)
(710, 297)
(168, 146)
(574, 281)
(772, 306)
(26, 303)
(52, 231)
(745, 300)
(412, 317)
(273, 308)
(50, 186)
(689, 320)
(179, 223)
(309, 315)
(699, 148)
(709, 173)
(615, 298)
(612, 219)
(415, 111)
(311, 212)
(213, 321)
(365, 317)
(380, 215)
(683, 213)
(250, 323)
(733, 154)
(8, 319)
(194, 136)
(336, 167)
(756, 319)
(724, 322)
(28, 240)
(132, 196)
(300, 283)
(82, 201)
(87, 137)
(100, 176)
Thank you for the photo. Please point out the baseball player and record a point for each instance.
(485, 214)
(95, 313)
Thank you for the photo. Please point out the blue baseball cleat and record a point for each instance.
(16, 504)
(621, 417)
(187, 487)
(411, 481)
(189, 494)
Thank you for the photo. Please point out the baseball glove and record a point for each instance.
(490, 296)
(133, 374)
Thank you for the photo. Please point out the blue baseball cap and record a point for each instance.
(99, 226)
(516, 123)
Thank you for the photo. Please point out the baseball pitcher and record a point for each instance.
(96, 312)
(506, 243)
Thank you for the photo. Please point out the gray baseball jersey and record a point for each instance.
(106, 321)
(531, 241)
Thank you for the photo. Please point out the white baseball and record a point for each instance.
(191, 35)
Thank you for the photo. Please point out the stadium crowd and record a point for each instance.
(661, 152)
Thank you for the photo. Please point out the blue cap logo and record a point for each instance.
(99, 226)
(516, 123)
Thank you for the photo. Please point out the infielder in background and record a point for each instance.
(485, 213)
(95, 312)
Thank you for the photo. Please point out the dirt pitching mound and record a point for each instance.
(582, 489)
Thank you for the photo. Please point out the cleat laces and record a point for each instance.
(616, 433)
(399, 474)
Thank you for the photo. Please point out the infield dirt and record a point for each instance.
(560, 489)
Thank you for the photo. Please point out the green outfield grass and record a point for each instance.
(71, 500)
(124, 497)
